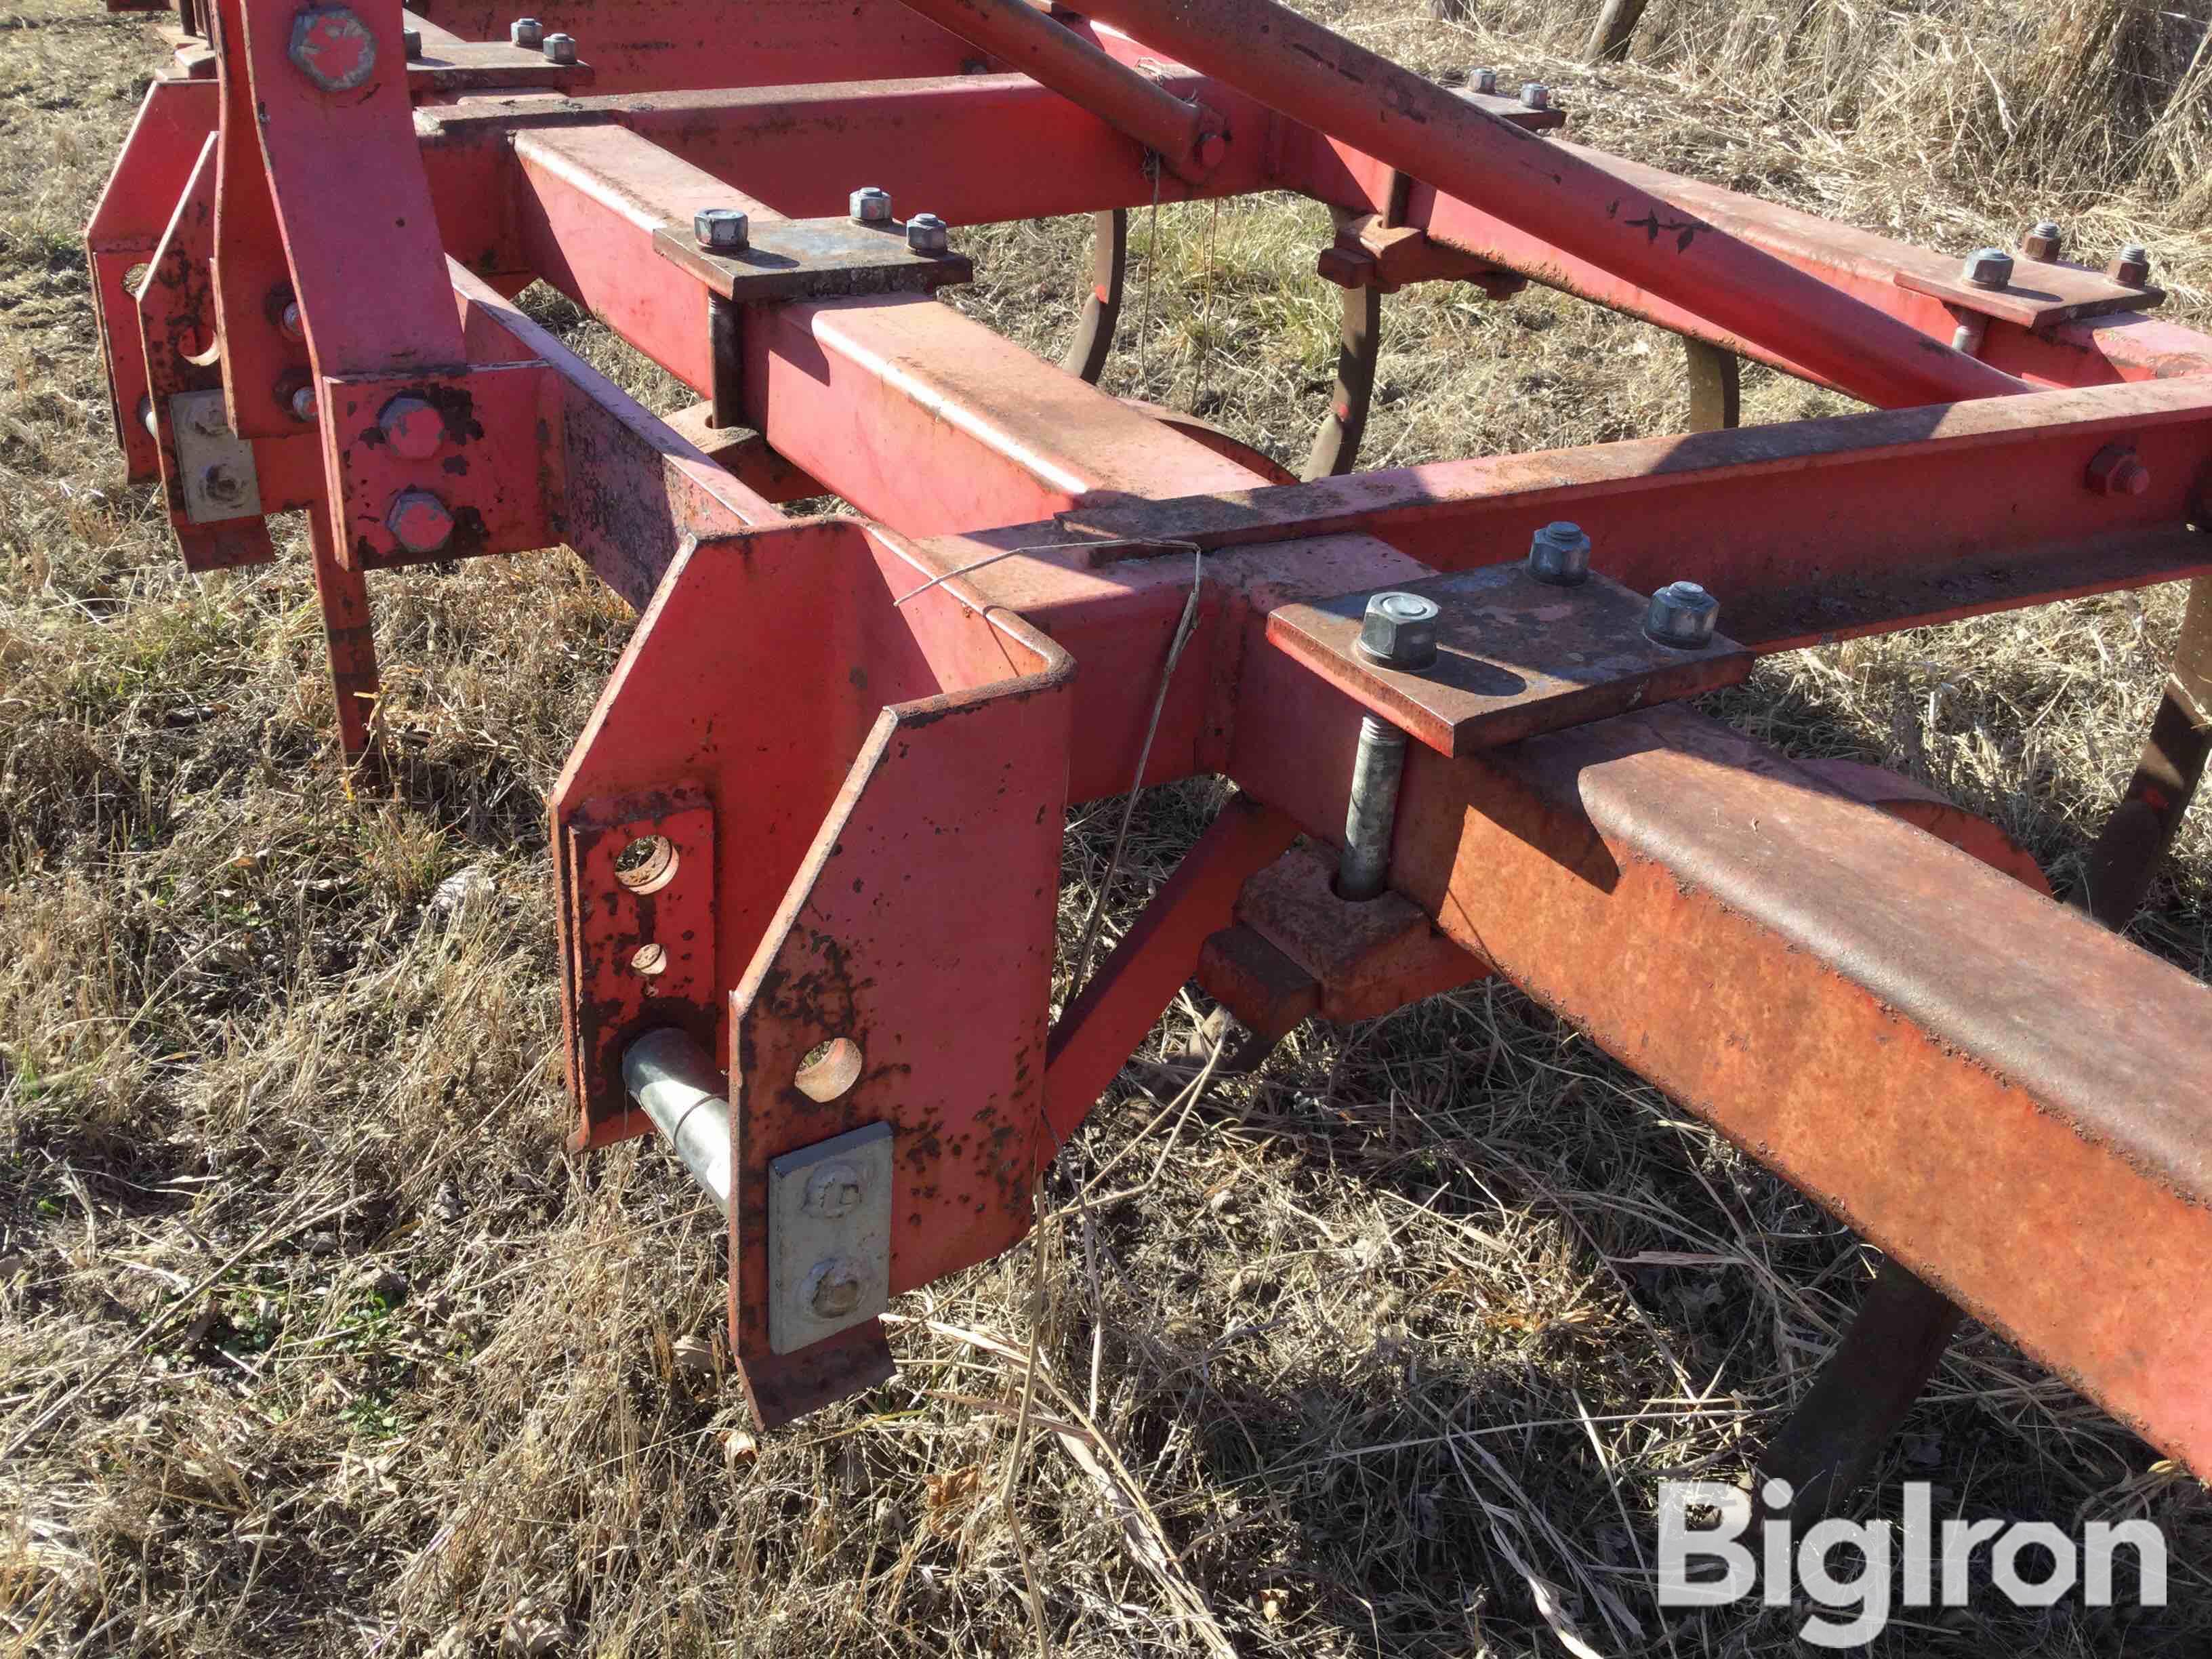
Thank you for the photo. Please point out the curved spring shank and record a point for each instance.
(1352, 94)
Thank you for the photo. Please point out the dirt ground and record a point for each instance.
(312, 1339)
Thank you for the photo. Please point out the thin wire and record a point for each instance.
(1206, 316)
(1163, 544)
(1152, 264)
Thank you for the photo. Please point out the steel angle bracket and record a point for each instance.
(886, 784)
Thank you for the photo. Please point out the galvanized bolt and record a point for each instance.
(833, 1191)
(1987, 267)
(722, 230)
(412, 428)
(288, 320)
(412, 40)
(1559, 554)
(837, 1290)
(419, 521)
(303, 403)
(871, 205)
(1535, 94)
(333, 48)
(1399, 630)
(2131, 268)
(222, 484)
(1484, 81)
(1682, 614)
(560, 49)
(526, 33)
(925, 233)
(2043, 241)
(2116, 470)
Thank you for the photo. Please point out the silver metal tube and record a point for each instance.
(1368, 821)
(675, 1084)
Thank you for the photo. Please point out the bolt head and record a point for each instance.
(722, 230)
(1534, 95)
(927, 234)
(1987, 267)
(1399, 630)
(222, 484)
(209, 419)
(1559, 554)
(288, 320)
(419, 521)
(837, 1291)
(871, 205)
(412, 428)
(560, 49)
(2116, 470)
(2043, 241)
(2131, 268)
(333, 48)
(834, 1191)
(1484, 81)
(1682, 614)
(303, 403)
(526, 33)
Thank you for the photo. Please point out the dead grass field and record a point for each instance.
(1390, 1344)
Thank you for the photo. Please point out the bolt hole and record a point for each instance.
(830, 1069)
(649, 959)
(134, 280)
(646, 864)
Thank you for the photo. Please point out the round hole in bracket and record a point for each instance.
(134, 280)
(830, 1069)
(646, 864)
(649, 959)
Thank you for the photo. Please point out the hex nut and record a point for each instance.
(2043, 241)
(1399, 630)
(871, 205)
(419, 521)
(722, 230)
(412, 428)
(1484, 81)
(1560, 555)
(526, 33)
(2130, 268)
(333, 48)
(833, 1290)
(2117, 469)
(1987, 268)
(560, 49)
(1682, 614)
(927, 234)
(1534, 95)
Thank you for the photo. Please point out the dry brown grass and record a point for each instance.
(1421, 1312)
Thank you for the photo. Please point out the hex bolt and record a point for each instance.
(722, 230)
(1484, 81)
(303, 402)
(1682, 616)
(412, 40)
(527, 32)
(222, 484)
(288, 320)
(1399, 631)
(871, 205)
(2043, 241)
(837, 1290)
(560, 49)
(412, 428)
(332, 47)
(834, 1191)
(1987, 267)
(1560, 555)
(1534, 95)
(2131, 268)
(925, 233)
(2117, 469)
(419, 521)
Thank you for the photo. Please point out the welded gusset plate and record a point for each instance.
(488, 454)
(2039, 295)
(1516, 657)
(814, 259)
(638, 940)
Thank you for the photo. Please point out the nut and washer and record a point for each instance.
(1534, 95)
(419, 521)
(412, 428)
(833, 1288)
(333, 48)
(2117, 469)
(925, 233)
(1987, 267)
(1682, 614)
(1399, 631)
(560, 49)
(1560, 555)
(526, 33)
(2043, 241)
(2131, 268)
(1484, 81)
(722, 230)
(871, 205)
